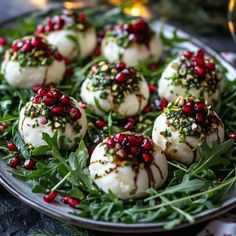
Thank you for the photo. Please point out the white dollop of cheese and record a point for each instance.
(123, 181)
(133, 54)
(170, 91)
(133, 103)
(27, 77)
(73, 44)
(181, 151)
(31, 129)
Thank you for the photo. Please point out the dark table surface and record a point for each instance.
(16, 218)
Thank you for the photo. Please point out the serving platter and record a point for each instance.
(61, 212)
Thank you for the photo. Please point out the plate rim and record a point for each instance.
(122, 227)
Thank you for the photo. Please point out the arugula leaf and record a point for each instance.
(175, 39)
(21, 146)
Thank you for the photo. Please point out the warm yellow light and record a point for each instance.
(39, 3)
(138, 9)
(73, 5)
(231, 5)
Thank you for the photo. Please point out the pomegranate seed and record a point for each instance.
(200, 118)
(12, 147)
(200, 71)
(69, 71)
(37, 99)
(132, 140)
(189, 103)
(15, 47)
(82, 105)
(210, 66)
(97, 51)
(90, 151)
(146, 157)
(214, 120)
(233, 136)
(41, 28)
(65, 100)
(55, 93)
(152, 88)
(2, 127)
(65, 199)
(49, 100)
(26, 48)
(57, 110)
(188, 54)
(75, 113)
(131, 122)
(200, 106)
(42, 92)
(14, 162)
(188, 111)
(163, 103)
(29, 164)
(153, 66)
(199, 62)
(121, 65)
(58, 56)
(59, 20)
(100, 123)
(134, 150)
(120, 138)
(147, 109)
(121, 77)
(43, 121)
(73, 202)
(82, 16)
(36, 88)
(147, 145)
(50, 197)
(110, 142)
(35, 42)
(50, 26)
(200, 53)
(3, 41)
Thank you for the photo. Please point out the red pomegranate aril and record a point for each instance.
(146, 157)
(152, 88)
(129, 125)
(200, 71)
(200, 62)
(90, 151)
(188, 54)
(82, 16)
(14, 162)
(200, 106)
(59, 20)
(42, 92)
(65, 100)
(82, 105)
(12, 147)
(100, 123)
(49, 100)
(153, 66)
(189, 103)
(58, 56)
(121, 77)
(110, 142)
(146, 145)
(132, 140)
(37, 99)
(29, 164)
(35, 42)
(55, 93)
(188, 111)
(41, 28)
(2, 127)
(232, 136)
(200, 53)
(214, 120)
(210, 66)
(65, 199)
(26, 47)
(69, 71)
(120, 138)
(15, 47)
(121, 65)
(3, 41)
(72, 202)
(163, 103)
(75, 113)
(134, 150)
(200, 118)
(36, 88)
(57, 110)
(50, 197)
(97, 51)
(147, 109)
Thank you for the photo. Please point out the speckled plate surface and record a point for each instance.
(61, 212)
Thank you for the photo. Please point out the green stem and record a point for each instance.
(61, 182)
(188, 197)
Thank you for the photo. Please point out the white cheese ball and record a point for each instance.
(124, 181)
(182, 151)
(27, 77)
(31, 129)
(170, 91)
(83, 47)
(134, 53)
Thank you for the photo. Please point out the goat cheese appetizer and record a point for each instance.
(115, 87)
(193, 74)
(32, 61)
(132, 43)
(48, 112)
(128, 164)
(185, 124)
(71, 33)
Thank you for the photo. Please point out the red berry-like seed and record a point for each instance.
(65, 199)
(200, 71)
(55, 93)
(210, 66)
(16, 46)
(3, 41)
(50, 197)
(14, 162)
(214, 120)
(110, 142)
(2, 127)
(49, 100)
(132, 140)
(12, 147)
(188, 111)
(232, 136)
(129, 125)
(82, 105)
(100, 123)
(121, 77)
(200, 106)
(200, 118)
(69, 71)
(58, 56)
(36, 88)
(120, 138)
(152, 88)
(29, 164)
(146, 157)
(42, 92)
(134, 150)
(121, 65)
(147, 109)
(59, 20)
(163, 103)
(188, 54)
(146, 145)
(57, 110)
(41, 28)
(82, 16)
(35, 42)
(200, 53)
(75, 113)
(26, 48)
(189, 103)
(72, 202)
(37, 99)
(199, 62)
(153, 66)
(65, 100)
